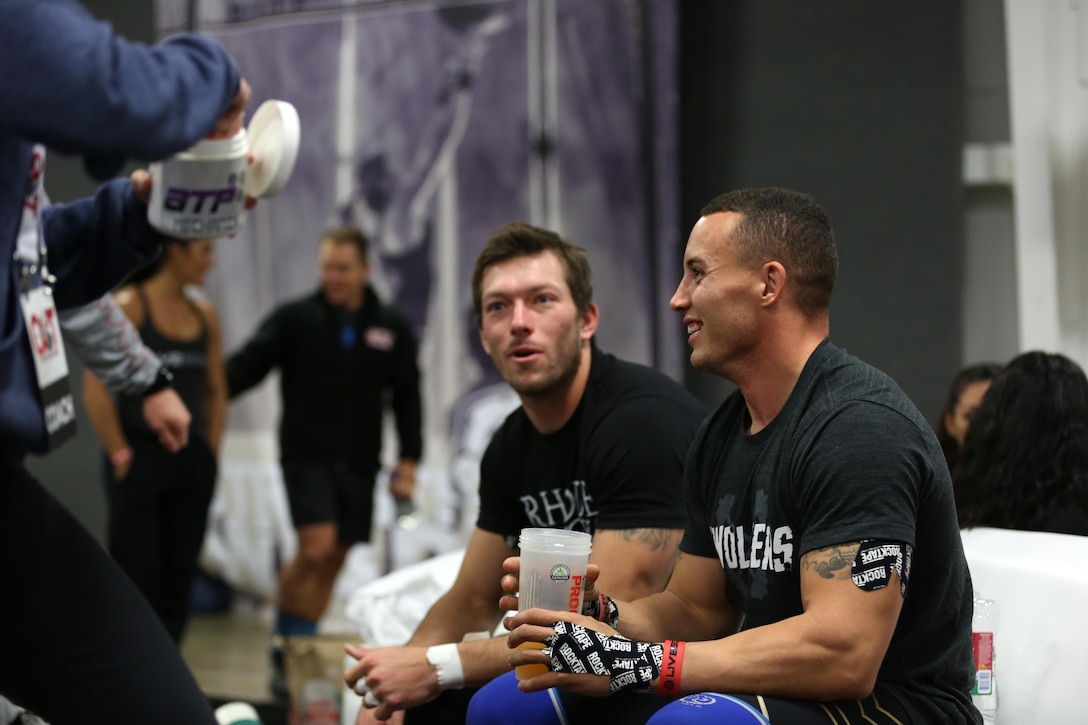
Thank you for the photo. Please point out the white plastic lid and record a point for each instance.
(273, 143)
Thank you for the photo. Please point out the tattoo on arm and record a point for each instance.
(831, 561)
(654, 539)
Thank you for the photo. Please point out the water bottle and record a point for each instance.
(405, 507)
(319, 703)
(984, 627)
(406, 514)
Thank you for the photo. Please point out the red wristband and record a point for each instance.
(121, 456)
(602, 608)
(668, 684)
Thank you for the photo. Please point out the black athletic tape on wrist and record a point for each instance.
(629, 665)
(603, 609)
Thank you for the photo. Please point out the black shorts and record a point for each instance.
(320, 494)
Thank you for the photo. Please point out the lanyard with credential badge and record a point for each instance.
(40, 312)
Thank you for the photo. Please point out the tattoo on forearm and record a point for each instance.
(831, 561)
(654, 539)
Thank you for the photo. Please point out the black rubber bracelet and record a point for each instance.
(163, 379)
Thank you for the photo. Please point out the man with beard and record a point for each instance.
(597, 445)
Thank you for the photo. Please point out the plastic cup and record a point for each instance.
(553, 570)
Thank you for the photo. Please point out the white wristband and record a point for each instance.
(447, 661)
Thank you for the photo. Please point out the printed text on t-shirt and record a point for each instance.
(767, 547)
(561, 508)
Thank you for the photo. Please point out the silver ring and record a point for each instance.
(369, 700)
(361, 688)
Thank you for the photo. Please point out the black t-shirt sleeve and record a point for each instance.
(636, 458)
(859, 476)
(406, 400)
(248, 366)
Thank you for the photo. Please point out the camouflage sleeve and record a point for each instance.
(106, 342)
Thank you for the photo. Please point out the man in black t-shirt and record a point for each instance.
(597, 445)
(822, 578)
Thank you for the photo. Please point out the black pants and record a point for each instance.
(449, 708)
(157, 518)
(78, 643)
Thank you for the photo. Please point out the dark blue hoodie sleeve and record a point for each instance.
(81, 89)
(68, 82)
(95, 242)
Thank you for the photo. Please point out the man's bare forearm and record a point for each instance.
(453, 616)
(484, 660)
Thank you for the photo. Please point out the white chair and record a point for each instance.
(1040, 582)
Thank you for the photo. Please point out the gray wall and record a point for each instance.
(989, 281)
(860, 105)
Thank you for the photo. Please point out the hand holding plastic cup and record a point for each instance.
(552, 576)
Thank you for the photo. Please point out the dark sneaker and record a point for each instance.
(277, 681)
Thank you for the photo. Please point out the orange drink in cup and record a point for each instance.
(528, 672)
(552, 576)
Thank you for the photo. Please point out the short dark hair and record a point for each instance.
(349, 234)
(518, 239)
(1025, 456)
(788, 227)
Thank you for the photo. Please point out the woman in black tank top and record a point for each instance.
(158, 501)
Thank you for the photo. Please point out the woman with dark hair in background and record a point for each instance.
(1024, 463)
(158, 501)
(967, 389)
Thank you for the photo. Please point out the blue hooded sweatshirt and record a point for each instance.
(68, 83)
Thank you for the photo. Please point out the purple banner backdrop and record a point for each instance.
(430, 124)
